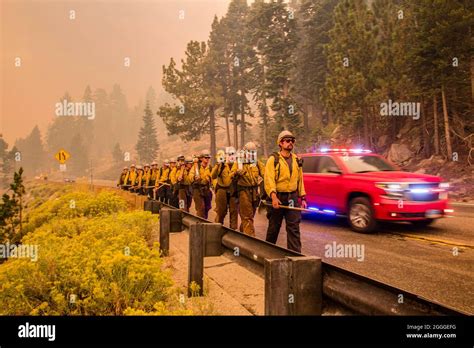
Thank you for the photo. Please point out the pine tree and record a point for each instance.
(117, 154)
(11, 210)
(85, 126)
(120, 120)
(3, 162)
(439, 61)
(197, 95)
(237, 54)
(350, 82)
(32, 152)
(101, 122)
(309, 74)
(79, 161)
(59, 133)
(147, 145)
(273, 34)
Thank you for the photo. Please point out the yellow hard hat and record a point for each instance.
(285, 134)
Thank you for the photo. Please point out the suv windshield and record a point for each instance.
(364, 164)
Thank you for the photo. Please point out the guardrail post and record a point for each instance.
(176, 220)
(213, 239)
(165, 227)
(147, 205)
(196, 258)
(155, 207)
(293, 286)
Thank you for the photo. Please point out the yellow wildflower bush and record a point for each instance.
(75, 204)
(93, 259)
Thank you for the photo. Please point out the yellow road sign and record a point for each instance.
(62, 156)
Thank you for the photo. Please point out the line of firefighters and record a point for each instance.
(240, 182)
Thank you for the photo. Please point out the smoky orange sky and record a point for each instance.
(60, 54)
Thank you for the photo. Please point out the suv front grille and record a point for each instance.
(416, 192)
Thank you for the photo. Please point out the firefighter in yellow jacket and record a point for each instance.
(184, 184)
(224, 201)
(284, 185)
(150, 184)
(138, 179)
(248, 174)
(200, 177)
(144, 179)
(173, 192)
(131, 177)
(122, 178)
(163, 184)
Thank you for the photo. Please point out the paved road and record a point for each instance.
(435, 262)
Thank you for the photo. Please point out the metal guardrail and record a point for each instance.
(286, 275)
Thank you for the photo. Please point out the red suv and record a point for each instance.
(366, 188)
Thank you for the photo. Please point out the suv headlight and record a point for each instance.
(392, 190)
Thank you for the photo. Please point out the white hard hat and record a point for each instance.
(285, 134)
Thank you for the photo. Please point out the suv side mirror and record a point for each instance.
(334, 170)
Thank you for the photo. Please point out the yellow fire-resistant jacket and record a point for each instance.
(123, 178)
(184, 173)
(155, 174)
(165, 175)
(172, 176)
(252, 174)
(145, 178)
(138, 179)
(224, 179)
(204, 175)
(131, 177)
(284, 182)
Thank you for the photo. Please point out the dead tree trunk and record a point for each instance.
(435, 125)
(447, 130)
(424, 130)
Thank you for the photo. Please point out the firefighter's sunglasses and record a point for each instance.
(288, 140)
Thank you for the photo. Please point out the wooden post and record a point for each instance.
(165, 224)
(293, 286)
(213, 239)
(155, 207)
(147, 205)
(196, 258)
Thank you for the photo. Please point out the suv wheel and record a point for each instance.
(361, 215)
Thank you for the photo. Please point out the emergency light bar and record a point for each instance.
(345, 150)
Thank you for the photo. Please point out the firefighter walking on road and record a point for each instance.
(144, 180)
(123, 177)
(184, 184)
(200, 176)
(154, 174)
(130, 178)
(172, 193)
(248, 175)
(284, 185)
(162, 185)
(224, 200)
